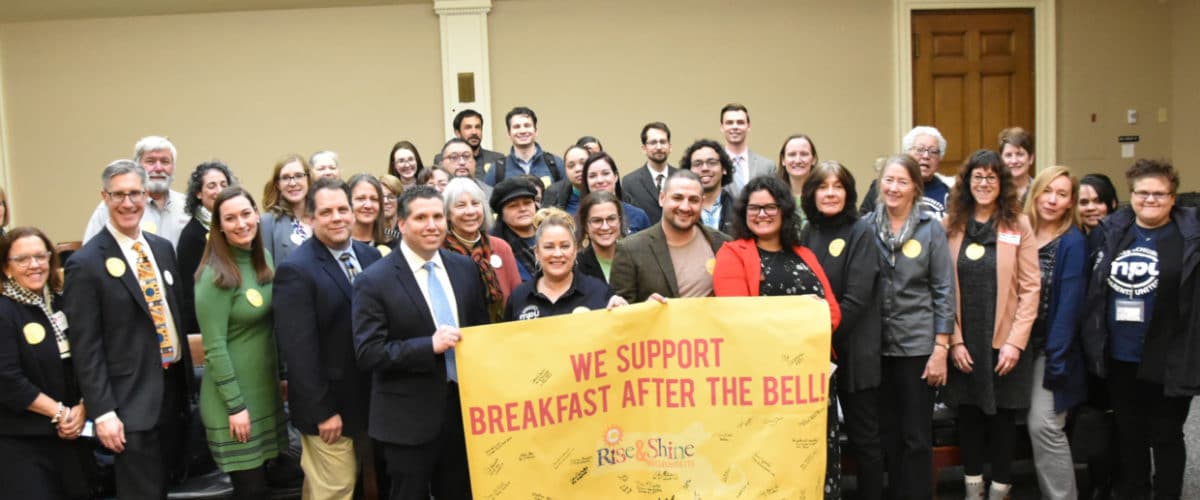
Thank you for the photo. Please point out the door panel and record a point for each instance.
(972, 76)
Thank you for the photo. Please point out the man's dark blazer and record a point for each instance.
(393, 330)
(642, 264)
(313, 324)
(114, 345)
(641, 191)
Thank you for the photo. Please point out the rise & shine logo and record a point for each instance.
(655, 451)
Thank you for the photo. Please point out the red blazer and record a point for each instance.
(738, 271)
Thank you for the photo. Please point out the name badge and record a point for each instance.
(496, 261)
(1010, 238)
(1131, 310)
(60, 320)
(168, 278)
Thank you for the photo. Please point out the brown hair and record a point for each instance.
(217, 254)
(1040, 183)
(272, 199)
(781, 171)
(4, 203)
(378, 228)
(1152, 168)
(1015, 136)
(961, 206)
(914, 174)
(54, 267)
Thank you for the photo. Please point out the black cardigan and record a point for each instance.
(27, 369)
(853, 274)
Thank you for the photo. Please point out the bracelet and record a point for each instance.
(1015, 347)
(58, 414)
(943, 346)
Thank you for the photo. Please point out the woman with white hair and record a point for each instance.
(468, 219)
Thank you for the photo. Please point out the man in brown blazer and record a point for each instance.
(673, 258)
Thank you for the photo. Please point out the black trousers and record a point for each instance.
(44, 467)
(861, 412)
(1146, 419)
(438, 467)
(974, 430)
(152, 457)
(907, 427)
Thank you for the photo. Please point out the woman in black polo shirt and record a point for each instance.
(556, 288)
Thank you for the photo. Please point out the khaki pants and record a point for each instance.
(329, 469)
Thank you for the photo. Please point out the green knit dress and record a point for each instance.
(240, 368)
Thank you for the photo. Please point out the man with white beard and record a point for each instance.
(164, 215)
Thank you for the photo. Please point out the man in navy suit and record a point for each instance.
(327, 392)
(408, 309)
(130, 351)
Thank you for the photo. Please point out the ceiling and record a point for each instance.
(45, 10)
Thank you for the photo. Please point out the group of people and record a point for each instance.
(355, 292)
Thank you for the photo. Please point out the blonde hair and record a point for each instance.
(1040, 183)
(553, 216)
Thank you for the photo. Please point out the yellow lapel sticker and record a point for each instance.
(115, 266)
(710, 265)
(254, 297)
(384, 250)
(149, 227)
(974, 251)
(34, 333)
(836, 247)
(911, 249)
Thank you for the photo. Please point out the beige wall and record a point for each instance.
(1114, 55)
(247, 87)
(242, 87)
(607, 68)
(1185, 95)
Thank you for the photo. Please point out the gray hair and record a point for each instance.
(122, 167)
(911, 138)
(152, 143)
(459, 186)
(321, 154)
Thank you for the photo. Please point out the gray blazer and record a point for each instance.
(642, 264)
(759, 165)
(641, 191)
(277, 235)
(917, 289)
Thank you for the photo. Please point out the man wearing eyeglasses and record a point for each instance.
(675, 257)
(708, 160)
(164, 214)
(642, 186)
(927, 146)
(127, 340)
(458, 159)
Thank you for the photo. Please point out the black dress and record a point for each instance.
(784, 273)
(190, 250)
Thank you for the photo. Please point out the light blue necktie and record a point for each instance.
(442, 315)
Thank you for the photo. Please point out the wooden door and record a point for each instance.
(972, 76)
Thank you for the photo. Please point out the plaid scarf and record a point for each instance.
(480, 252)
(22, 295)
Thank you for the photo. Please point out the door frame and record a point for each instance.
(1045, 64)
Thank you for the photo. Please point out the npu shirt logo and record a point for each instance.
(1134, 272)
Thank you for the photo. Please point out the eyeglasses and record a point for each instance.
(132, 196)
(984, 179)
(926, 151)
(711, 162)
(24, 261)
(1152, 195)
(599, 222)
(288, 179)
(458, 157)
(768, 210)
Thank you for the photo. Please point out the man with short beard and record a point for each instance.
(468, 126)
(673, 258)
(164, 215)
(642, 186)
(456, 158)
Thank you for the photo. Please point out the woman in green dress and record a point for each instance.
(240, 402)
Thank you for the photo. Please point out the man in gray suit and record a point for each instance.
(673, 258)
(643, 186)
(735, 126)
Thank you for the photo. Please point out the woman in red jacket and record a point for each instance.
(765, 258)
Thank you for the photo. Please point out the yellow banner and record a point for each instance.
(699, 398)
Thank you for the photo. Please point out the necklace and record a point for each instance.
(466, 242)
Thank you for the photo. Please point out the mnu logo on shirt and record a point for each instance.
(1134, 272)
(530, 312)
